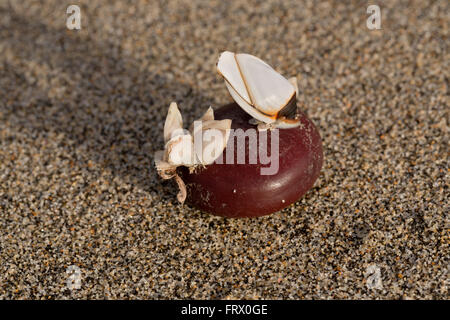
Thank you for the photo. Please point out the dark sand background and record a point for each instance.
(81, 113)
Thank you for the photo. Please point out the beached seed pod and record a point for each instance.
(259, 90)
(265, 173)
(282, 173)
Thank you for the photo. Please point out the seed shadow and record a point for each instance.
(109, 107)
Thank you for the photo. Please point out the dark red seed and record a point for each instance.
(239, 190)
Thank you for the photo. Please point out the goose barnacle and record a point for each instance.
(182, 149)
(259, 90)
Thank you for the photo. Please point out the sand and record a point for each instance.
(82, 111)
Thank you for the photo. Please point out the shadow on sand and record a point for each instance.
(107, 105)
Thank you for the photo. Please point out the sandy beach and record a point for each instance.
(82, 113)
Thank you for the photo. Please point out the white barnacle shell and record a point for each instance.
(258, 89)
(213, 137)
(181, 149)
